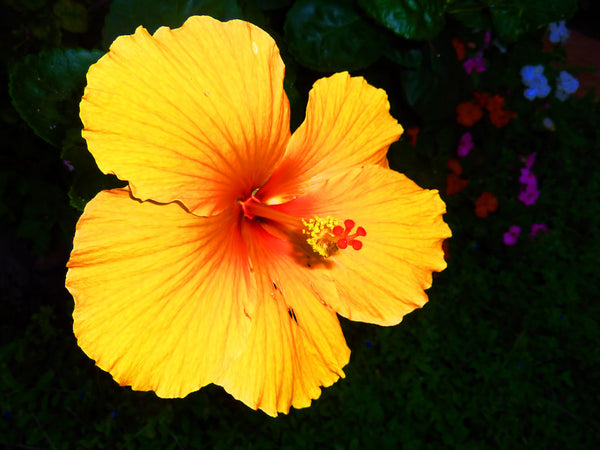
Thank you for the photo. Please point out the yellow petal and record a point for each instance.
(386, 278)
(296, 344)
(347, 124)
(196, 114)
(162, 297)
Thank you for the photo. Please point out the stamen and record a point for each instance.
(321, 237)
(327, 236)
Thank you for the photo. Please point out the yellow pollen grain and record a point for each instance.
(320, 234)
(254, 48)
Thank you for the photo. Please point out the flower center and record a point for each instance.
(324, 235)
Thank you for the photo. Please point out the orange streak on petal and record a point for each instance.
(386, 278)
(347, 124)
(296, 344)
(162, 297)
(196, 114)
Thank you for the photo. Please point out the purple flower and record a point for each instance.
(529, 195)
(475, 64)
(511, 236)
(530, 160)
(465, 145)
(537, 228)
(527, 177)
(68, 165)
(529, 192)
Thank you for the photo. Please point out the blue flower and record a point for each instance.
(566, 84)
(535, 81)
(558, 32)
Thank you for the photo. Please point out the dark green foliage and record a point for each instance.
(512, 18)
(126, 15)
(506, 353)
(330, 36)
(422, 20)
(46, 88)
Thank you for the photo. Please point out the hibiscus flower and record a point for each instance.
(227, 257)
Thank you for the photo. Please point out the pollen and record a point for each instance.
(326, 236)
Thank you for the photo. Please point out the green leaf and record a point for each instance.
(88, 180)
(72, 16)
(46, 88)
(126, 15)
(331, 36)
(473, 15)
(431, 87)
(411, 19)
(513, 18)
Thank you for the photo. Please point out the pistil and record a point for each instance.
(324, 235)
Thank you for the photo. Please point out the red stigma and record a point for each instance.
(345, 238)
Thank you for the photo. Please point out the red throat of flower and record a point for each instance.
(325, 235)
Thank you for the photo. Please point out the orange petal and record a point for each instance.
(296, 344)
(347, 124)
(386, 278)
(161, 296)
(196, 114)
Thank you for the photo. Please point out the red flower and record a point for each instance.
(485, 204)
(494, 103)
(412, 133)
(454, 166)
(498, 115)
(481, 98)
(455, 184)
(459, 48)
(468, 113)
(501, 117)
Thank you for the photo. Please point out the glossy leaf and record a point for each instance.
(473, 15)
(46, 88)
(422, 20)
(512, 19)
(431, 88)
(331, 36)
(126, 15)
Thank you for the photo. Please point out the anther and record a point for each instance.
(326, 236)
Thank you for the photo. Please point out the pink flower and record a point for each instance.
(511, 236)
(487, 38)
(475, 64)
(529, 192)
(529, 161)
(465, 145)
(527, 177)
(537, 228)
